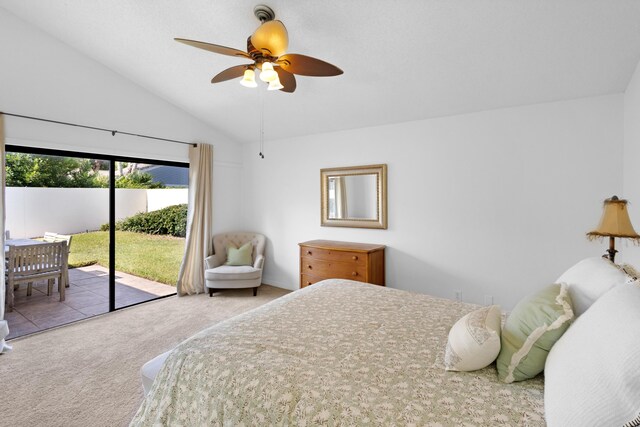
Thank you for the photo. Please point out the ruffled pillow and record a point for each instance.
(474, 340)
(534, 325)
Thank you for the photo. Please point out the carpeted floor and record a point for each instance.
(87, 373)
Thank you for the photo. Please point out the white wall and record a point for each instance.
(628, 252)
(43, 77)
(161, 198)
(492, 203)
(30, 212)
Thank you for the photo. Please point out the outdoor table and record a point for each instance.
(20, 242)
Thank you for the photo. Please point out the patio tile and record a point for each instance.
(59, 319)
(121, 290)
(95, 270)
(93, 310)
(72, 289)
(91, 281)
(15, 317)
(39, 310)
(83, 299)
(21, 296)
(79, 274)
(19, 329)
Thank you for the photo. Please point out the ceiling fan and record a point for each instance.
(267, 47)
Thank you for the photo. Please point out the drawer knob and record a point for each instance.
(309, 267)
(355, 258)
(308, 252)
(308, 283)
(355, 273)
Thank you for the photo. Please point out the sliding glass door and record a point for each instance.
(124, 219)
(151, 213)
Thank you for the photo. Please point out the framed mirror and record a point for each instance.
(354, 197)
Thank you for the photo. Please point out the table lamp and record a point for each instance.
(614, 223)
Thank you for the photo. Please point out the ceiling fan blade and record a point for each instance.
(307, 66)
(287, 80)
(223, 50)
(230, 73)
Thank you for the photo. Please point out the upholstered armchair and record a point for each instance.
(220, 276)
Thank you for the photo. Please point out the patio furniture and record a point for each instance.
(220, 276)
(30, 263)
(50, 237)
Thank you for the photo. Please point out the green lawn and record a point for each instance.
(153, 257)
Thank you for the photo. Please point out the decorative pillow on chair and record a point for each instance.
(239, 256)
(591, 278)
(474, 340)
(534, 325)
(592, 375)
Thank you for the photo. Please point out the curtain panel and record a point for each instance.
(200, 220)
(4, 327)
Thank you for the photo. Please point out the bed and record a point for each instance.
(336, 353)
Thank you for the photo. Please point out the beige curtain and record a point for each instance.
(199, 224)
(341, 197)
(4, 327)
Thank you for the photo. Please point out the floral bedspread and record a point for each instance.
(335, 353)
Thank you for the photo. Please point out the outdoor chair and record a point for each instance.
(54, 238)
(31, 263)
(218, 275)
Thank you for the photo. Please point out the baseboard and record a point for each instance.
(278, 284)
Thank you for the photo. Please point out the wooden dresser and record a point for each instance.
(329, 259)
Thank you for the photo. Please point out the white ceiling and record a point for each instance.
(402, 59)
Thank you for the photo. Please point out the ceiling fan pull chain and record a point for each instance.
(261, 154)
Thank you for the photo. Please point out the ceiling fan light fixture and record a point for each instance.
(249, 79)
(268, 74)
(275, 84)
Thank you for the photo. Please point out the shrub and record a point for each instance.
(171, 220)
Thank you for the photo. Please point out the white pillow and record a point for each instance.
(592, 374)
(474, 340)
(589, 279)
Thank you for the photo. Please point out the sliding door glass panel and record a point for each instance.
(151, 214)
(51, 198)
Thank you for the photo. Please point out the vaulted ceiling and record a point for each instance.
(402, 59)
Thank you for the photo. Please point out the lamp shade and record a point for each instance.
(268, 74)
(615, 221)
(275, 84)
(249, 79)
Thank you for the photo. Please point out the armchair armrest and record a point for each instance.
(212, 261)
(259, 262)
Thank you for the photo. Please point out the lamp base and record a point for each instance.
(612, 249)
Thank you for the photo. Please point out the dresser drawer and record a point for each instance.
(333, 269)
(331, 255)
(308, 280)
(330, 259)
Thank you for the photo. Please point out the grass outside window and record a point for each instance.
(153, 257)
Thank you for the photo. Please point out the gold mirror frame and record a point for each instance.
(381, 190)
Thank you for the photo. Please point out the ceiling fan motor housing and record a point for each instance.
(264, 13)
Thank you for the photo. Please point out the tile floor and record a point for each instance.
(86, 296)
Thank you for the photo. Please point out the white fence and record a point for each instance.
(32, 211)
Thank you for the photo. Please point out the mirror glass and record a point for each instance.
(354, 196)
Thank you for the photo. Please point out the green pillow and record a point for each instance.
(239, 256)
(534, 325)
